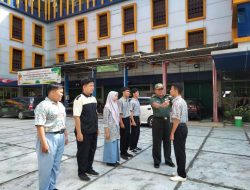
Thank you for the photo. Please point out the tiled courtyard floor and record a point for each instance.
(217, 159)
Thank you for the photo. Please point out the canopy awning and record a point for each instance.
(232, 60)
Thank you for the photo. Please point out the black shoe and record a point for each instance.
(84, 177)
(134, 151)
(171, 164)
(92, 172)
(139, 149)
(128, 155)
(111, 164)
(156, 165)
(123, 156)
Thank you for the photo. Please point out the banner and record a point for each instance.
(39, 76)
(107, 68)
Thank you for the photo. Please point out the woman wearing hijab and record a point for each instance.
(111, 118)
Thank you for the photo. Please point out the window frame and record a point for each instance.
(98, 24)
(157, 37)
(57, 35)
(128, 42)
(33, 59)
(235, 37)
(11, 29)
(197, 30)
(152, 16)
(85, 19)
(134, 5)
(65, 57)
(33, 35)
(11, 48)
(198, 18)
(85, 53)
(99, 47)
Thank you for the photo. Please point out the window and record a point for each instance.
(103, 25)
(196, 37)
(129, 19)
(81, 54)
(129, 47)
(61, 35)
(159, 43)
(16, 59)
(61, 57)
(195, 10)
(16, 28)
(81, 30)
(38, 35)
(159, 13)
(103, 51)
(37, 60)
(240, 25)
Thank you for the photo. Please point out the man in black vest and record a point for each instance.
(86, 129)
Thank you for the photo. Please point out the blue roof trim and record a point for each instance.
(98, 6)
(239, 61)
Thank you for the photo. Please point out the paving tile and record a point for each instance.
(129, 179)
(228, 170)
(144, 161)
(227, 146)
(190, 185)
(68, 178)
(227, 134)
(13, 151)
(198, 131)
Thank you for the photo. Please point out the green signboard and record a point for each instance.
(107, 68)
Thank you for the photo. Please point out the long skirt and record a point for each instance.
(111, 153)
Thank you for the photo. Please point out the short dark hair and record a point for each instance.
(134, 90)
(178, 87)
(124, 88)
(54, 86)
(87, 81)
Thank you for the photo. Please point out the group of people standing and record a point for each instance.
(121, 121)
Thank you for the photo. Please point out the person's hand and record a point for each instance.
(122, 126)
(66, 140)
(133, 123)
(107, 136)
(98, 132)
(45, 148)
(165, 104)
(79, 137)
(171, 136)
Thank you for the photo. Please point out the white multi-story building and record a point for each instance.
(45, 32)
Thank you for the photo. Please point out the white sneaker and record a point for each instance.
(178, 179)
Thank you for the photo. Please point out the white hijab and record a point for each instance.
(112, 106)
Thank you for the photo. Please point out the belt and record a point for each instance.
(57, 132)
(165, 118)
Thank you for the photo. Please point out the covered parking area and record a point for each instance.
(126, 61)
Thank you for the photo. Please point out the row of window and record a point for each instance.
(129, 23)
(158, 43)
(17, 59)
(17, 31)
(195, 9)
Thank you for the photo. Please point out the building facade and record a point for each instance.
(41, 33)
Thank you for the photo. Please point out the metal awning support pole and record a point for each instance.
(125, 76)
(66, 89)
(215, 94)
(93, 75)
(164, 75)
